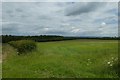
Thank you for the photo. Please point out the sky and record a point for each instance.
(60, 18)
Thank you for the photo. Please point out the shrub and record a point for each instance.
(116, 67)
(23, 46)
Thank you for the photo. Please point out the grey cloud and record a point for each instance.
(58, 32)
(19, 10)
(43, 17)
(107, 20)
(9, 11)
(10, 29)
(91, 33)
(113, 11)
(79, 8)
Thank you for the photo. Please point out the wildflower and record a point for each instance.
(35, 71)
(88, 59)
(116, 59)
(112, 57)
(87, 64)
(108, 62)
(90, 62)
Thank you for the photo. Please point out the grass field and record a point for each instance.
(63, 59)
(0, 60)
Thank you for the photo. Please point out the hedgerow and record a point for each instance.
(23, 46)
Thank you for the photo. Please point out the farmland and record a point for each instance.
(63, 59)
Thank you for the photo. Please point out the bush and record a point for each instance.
(23, 46)
(116, 67)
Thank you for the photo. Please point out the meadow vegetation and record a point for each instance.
(63, 59)
(0, 60)
(23, 46)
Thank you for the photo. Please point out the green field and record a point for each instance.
(0, 60)
(63, 59)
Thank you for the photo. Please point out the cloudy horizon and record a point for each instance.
(60, 18)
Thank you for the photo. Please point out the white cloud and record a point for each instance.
(103, 24)
(75, 30)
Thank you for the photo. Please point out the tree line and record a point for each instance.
(46, 38)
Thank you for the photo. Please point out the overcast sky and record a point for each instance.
(60, 18)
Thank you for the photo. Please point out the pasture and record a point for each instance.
(63, 59)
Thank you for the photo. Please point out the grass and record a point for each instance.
(0, 60)
(63, 59)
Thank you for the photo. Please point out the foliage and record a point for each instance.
(46, 38)
(23, 46)
(116, 65)
(41, 38)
